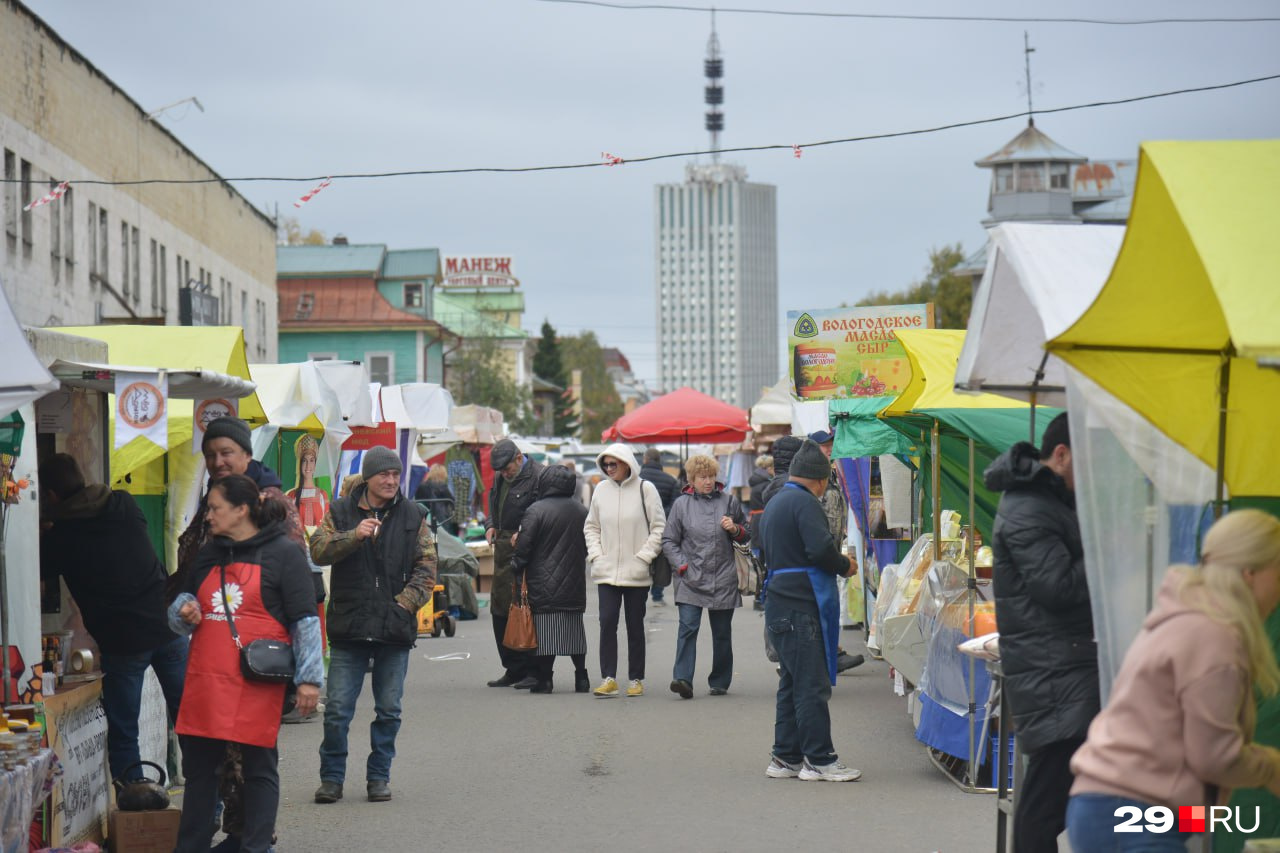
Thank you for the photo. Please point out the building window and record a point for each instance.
(1059, 176)
(124, 258)
(25, 177)
(11, 205)
(244, 311)
(322, 356)
(413, 295)
(164, 282)
(68, 232)
(1030, 177)
(103, 253)
(381, 367)
(135, 266)
(1004, 179)
(93, 239)
(55, 238)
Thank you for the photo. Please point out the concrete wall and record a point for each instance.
(66, 121)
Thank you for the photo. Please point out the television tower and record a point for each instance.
(714, 67)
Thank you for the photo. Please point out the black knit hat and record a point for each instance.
(379, 459)
(228, 427)
(810, 462)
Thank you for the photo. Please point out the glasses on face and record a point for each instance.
(609, 466)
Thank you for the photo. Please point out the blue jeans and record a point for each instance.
(347, 665)
(1091, 821)
(802, 723)
(721, 645)
(122, 678)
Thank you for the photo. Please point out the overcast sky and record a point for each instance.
(313, 88)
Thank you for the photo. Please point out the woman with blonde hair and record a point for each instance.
(704, 523)
(1178, 730)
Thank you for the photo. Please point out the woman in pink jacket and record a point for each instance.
(1178, 729)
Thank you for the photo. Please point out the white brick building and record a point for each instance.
(114, 253)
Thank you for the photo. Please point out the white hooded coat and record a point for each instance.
(620, 545)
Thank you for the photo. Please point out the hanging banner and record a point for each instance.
(207, 411)
(363, 438)
(851, 352)
(142, 408)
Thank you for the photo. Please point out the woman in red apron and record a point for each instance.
(253, 572)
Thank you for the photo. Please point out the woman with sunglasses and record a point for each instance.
(624, 535)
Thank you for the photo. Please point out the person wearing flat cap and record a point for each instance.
(383, 559)
(227, 447)
(802, 617)
(515, 488)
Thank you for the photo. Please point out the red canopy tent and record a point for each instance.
(683, 416)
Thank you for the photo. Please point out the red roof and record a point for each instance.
(339, 302)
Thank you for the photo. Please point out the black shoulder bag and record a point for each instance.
(262, 660)
(660, 568)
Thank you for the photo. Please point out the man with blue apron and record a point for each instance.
(802, 616)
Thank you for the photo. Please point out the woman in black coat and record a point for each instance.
(551, 556)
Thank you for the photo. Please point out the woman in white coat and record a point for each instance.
(624, 535)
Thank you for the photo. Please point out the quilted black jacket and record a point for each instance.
(551, 548)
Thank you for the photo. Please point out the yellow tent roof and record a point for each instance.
(933, 354)
(216, 348)
(1194, 288)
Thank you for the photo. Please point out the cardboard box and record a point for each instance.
(143, 832)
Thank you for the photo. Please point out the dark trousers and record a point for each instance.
(802, 721)
(544, 664)
(1040, 806)
(516, 663)
(721, 645)
(630, 599)
(201, 758)
(122, 680)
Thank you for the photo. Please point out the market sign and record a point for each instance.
(366, 437)
(208, 411)
(842, 353)
(478, 271)
(141, 408)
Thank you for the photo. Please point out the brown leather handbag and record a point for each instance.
(520, 634)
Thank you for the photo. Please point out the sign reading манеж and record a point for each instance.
(477, 271)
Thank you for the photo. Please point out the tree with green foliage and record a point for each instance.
(601, 405)
(548, 365)
(479, 373)
(951, 294)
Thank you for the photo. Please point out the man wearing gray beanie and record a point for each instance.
(802, 617)
(384, 570)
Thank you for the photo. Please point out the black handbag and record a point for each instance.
(262, 660)
(660, 567)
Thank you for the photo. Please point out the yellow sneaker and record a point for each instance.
(635, 688)
(608, 687)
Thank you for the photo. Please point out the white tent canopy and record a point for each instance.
(22, 377)
(1039, 280)
(350, 381)
(774, 408)
(423, 406)
(183, 384)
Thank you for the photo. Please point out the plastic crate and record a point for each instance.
(1009, 760)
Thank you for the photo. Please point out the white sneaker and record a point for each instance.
(833, 772)
(779, 769)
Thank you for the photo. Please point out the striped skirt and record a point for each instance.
(560, 634)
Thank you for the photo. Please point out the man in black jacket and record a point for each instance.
(515, 488)
(1047, 648)
(384, 570)
(551, 551)
(668, 490)
(98, 544)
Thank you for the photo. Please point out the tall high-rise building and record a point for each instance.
(717, 271)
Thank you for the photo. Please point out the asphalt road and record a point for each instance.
(488, 769)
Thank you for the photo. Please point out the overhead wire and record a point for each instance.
(1119, 22)
(609, 163)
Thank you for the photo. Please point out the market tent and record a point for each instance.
(773, 409)
(994, 422)
(215, 349)
(297, 398)
(684, 415)
(350, 381)
(1039, 279)
(424, 406)
(1186, 330)
(22, 377)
